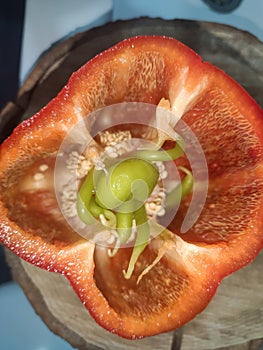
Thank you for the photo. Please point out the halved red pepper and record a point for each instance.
(228, 234)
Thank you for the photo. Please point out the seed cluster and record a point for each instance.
(68, 199)
(79, 164)
(114, 145)
(155, 203)
(39, 176)
(113, 138)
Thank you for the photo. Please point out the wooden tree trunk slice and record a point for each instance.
(234, 318)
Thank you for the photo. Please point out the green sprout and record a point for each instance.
(119, 195)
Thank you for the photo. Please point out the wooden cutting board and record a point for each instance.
(234, 318)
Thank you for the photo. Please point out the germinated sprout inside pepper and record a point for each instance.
(119, 194)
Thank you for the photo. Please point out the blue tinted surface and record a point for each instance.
(20, 327)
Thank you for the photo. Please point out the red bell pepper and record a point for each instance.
(227, 236)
